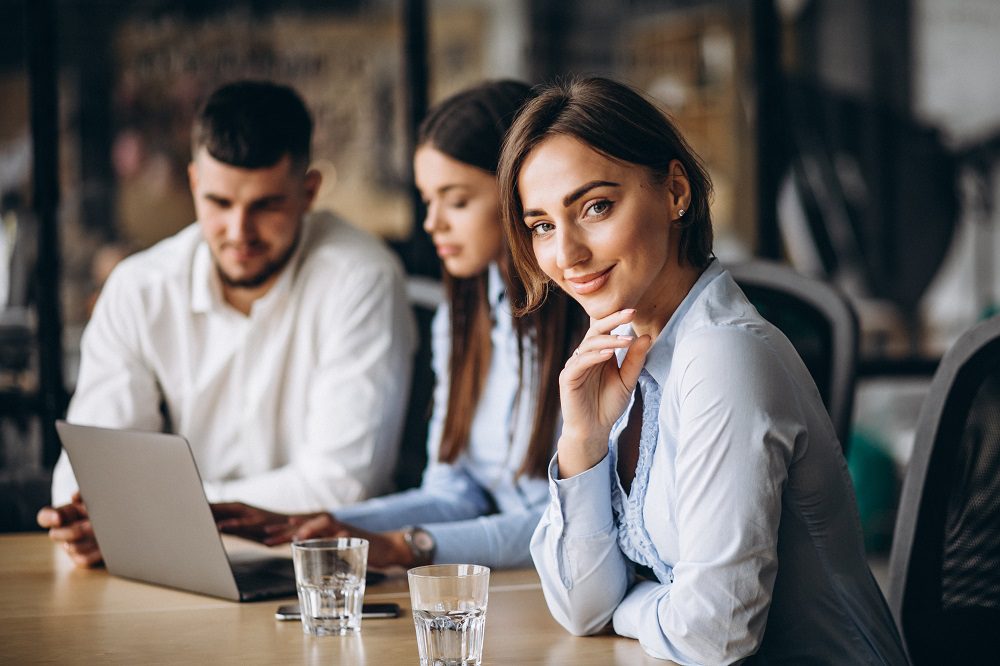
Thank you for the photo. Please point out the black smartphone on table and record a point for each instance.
(368, 611)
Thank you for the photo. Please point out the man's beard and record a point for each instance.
(269, 270)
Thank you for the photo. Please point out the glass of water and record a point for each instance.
(449, 612)
(330, 577)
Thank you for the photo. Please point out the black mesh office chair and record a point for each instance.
(944, 570)
(820, 323)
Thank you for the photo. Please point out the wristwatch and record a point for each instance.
(421, 544)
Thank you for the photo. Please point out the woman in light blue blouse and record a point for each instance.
(709, 514)
(496, 408)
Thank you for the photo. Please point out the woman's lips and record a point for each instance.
(447, 250)
(588, 284)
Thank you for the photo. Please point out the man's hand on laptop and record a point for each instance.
(270, 528)
(69, 525)
(261, 525)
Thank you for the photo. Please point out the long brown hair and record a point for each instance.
(619, 123)
(470, 127)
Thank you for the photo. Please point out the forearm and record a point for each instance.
(500, 541)
(669, 622)
(578, 453)
(411, 507)
(646, 614)
(575, 549)
(291, 489)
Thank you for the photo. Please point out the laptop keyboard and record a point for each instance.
(264, 578)
(267, 578)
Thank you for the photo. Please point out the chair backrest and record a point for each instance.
(944, 569)
(819, 322)
(425, 295)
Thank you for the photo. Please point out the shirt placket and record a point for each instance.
(634, 540)
(243, 375)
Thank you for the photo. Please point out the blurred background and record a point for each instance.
(854, 140)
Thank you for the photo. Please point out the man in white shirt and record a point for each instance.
(279, 342)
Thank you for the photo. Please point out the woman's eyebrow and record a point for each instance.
(583, 189)
(444, 189)
(574, 195)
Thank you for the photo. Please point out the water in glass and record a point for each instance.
(450, 637)
(332, 605)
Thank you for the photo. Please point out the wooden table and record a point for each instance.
(51, 612)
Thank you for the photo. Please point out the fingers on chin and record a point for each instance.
(586, 360)
(613, 320)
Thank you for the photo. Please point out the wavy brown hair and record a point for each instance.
(470, 127)
(619, 123)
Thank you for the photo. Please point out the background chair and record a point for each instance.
(425, 295)
(944, 570)
(820, 323)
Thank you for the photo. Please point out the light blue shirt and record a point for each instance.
(477, 509)
(741, 505)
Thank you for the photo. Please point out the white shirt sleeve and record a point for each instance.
(115, 387)
(583, 572)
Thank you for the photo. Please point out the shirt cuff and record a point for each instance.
(451, 542)
(583, 501)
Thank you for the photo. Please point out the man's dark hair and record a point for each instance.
(253, 124)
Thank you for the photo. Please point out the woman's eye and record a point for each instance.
(541, 228)
(599, 208)
(459, 204)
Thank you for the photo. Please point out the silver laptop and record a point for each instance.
(152, 520)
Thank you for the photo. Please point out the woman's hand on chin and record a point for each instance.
(594, 391)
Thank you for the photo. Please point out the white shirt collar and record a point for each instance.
(660, 354)
(658, 359)
(206, 285)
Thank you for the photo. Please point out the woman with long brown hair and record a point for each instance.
(701, 503)
(496, 409)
